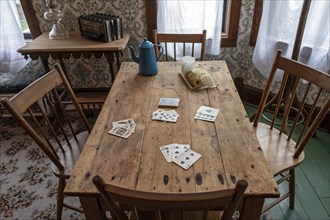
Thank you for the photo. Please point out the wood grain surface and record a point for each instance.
(229, 147)
(74, 43)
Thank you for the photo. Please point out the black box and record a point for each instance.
(101, 27)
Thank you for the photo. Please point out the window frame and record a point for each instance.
(31, 18)
(229, 39)
(256, 22)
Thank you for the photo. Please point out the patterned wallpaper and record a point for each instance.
(94, 72)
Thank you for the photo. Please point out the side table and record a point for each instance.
(78, 46)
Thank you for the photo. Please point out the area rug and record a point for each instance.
(28, 188)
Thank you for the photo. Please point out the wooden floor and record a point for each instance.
(312, 183)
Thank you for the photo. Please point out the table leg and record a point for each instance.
(44, 59)
(111, 59)
(91, 208)
(252, 208)
(119, 55)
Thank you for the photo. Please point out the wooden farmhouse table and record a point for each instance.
(229, 147)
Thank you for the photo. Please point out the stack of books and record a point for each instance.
(101, 27)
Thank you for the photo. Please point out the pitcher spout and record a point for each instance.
(134, 57)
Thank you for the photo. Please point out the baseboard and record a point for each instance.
(252, 96)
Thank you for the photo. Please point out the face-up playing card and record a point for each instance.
(187, 159)
(177, 149)
(123, 132)
(208, 110)
(123, 128)
(125, 123)
(167, 151)
(207, 113)
(163, 115)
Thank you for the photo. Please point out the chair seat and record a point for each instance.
(15, 82)
(277, 149)
(71, 156)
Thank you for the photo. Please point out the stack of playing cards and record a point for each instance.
(181, 154)
(169, 102)
(163, 115)
(123, 128)
(207, 113)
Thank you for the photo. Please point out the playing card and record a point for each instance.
(169, 102)
(163, 115)
(187, 159)
(123, 132)
(125, 123)
(123, 128)
(177, 149)
(208, 110)
(167, 151)
(207, 113)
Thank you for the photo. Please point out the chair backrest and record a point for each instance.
(39, 109)
(302, 115)
(184, 39)
(116, 198)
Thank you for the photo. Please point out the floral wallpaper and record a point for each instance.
(94, 72)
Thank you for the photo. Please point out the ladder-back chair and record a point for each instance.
(117, 199)
(53, 130)
(283, 145)
(184, 39)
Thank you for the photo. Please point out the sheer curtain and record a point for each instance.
(278, 30)
(192, 16)
(11, 38)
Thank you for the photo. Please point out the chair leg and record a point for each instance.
(292, 189)
(60, 198)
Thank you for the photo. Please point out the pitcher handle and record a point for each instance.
(161, 51)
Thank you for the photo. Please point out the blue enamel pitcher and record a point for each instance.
(147, 58)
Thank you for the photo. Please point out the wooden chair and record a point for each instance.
(284, 149)
(118, 199)
(53, 131)
(185, 39)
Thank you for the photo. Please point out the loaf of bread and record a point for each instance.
(199, 78)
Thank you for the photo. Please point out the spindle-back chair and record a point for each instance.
(184, 39)
(283, 145)
(118, 199)
(53, 131)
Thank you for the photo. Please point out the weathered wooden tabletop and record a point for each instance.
(75, 43)
(229, 147)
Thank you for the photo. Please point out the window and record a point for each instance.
(231, 17)
(22, 21)
(297, 27)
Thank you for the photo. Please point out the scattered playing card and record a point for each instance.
(180, 154)
(177, 149)
(163, 115)
(123, 128)
(207, 113)
(167, 151)
(169, 102)
(187, 159)
(125, 123)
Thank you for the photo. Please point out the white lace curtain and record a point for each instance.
(191, 16)
(278, 29)
(11, 38)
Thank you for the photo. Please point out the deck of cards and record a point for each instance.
(180, 154)
(123, 128)
(207, 113)
(163, 115)
(169, 102)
